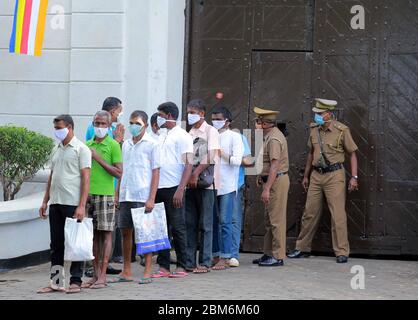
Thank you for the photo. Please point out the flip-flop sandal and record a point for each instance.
(99, 286)
(145, 281)
(87, 284)
(201, 270)
(74, 288)
(48, 290)
(160, 274)
(120, 280)
(178, 274)
(220, 266)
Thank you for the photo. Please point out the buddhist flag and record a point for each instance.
(28, 27)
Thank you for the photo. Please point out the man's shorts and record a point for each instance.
(102, 210)
(125, 215)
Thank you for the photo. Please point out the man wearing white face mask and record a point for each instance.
(232, 150)
(107, 165)
(200, 195)
(176, 167)
(67, 192)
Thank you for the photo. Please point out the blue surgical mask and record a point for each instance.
(319, 119)
(135, 129)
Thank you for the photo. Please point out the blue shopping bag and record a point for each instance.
(150, 229)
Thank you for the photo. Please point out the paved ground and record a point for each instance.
(313, 278)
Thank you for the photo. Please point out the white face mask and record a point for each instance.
(193, 119)
(100, 132)
(162, 121)
(61, 134)
(218, 124)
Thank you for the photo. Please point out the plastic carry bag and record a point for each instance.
(150, 229)
(78, 240)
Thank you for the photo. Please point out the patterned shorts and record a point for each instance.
(102, 210)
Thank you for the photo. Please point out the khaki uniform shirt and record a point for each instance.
(66, 164)
(275, 148)
(336, 140)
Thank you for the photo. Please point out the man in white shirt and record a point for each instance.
(231, 154)
(138, 187)
(176, 167)
(201, 188)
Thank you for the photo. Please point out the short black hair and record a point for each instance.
(140, 114)
(68, 120)
(169, 108)
(154, 118)
(111, 103)
(198, 104)
(222, 109)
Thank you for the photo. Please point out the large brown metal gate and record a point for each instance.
(281, 54)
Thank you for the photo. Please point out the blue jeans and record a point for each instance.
(199, 217)
(236, 224)
(222, 226)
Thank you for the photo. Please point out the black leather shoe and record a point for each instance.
(111, 270)
(298, 254)
(262, 258)
(342, 259)
(271, 262)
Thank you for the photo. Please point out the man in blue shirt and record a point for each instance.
(116, 130)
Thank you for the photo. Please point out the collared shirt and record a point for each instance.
(176, 143)
(230, 143)
(336, 140)
(275, 148)
(208, 141)
(66, 165)
(139, 159)
(101, 182)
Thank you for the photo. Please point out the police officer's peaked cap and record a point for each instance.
(265, 114)
(323, 105)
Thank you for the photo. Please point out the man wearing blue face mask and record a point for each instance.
(138, 187)
(328, 142)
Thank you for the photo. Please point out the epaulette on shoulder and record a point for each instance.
(340, 126)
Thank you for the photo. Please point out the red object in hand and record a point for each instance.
(219, 95)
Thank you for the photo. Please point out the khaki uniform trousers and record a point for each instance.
(331, 184)
(275, 219)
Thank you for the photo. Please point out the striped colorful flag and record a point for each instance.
(28, 27)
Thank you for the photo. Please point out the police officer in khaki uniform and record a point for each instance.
(275, 181)
(329, 140)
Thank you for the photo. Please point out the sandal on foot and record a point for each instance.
(47, 290)
(201, 269)
(145, 281)
(178, 274)
(160, 274)
(119, 280)
(98, 286)
(74, 288)
(221, 265)
(88, 284)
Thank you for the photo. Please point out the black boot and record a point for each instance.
(298, 254)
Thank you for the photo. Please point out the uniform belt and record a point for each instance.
(265, 178)
(330, 168)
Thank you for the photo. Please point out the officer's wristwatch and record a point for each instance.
(355, 177)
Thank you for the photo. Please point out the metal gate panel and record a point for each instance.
(274, 75)
(283, 25)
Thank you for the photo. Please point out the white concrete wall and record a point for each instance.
(132, 49)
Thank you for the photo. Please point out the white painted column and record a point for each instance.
(154, 53)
